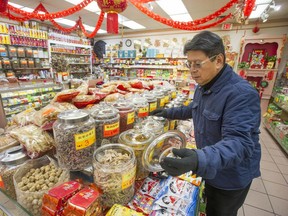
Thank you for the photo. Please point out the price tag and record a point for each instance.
(143, 112)
(1, 183)
(162, 102)
(128, 178)
(172, 124)
(111, 129)
(85, 140)
(166, 99)
(153, 106)
(173, 95)
(166, 128)
(130, 118)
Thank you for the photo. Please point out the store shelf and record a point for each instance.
(80, 72)
(280, 106)
(22, 45)
(13, 105)
(272, 132)
(69, 44)
(29, 88)
(74, 54)
(47, 68)
(79, 63)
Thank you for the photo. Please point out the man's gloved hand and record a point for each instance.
(176, 166)
(159, 113)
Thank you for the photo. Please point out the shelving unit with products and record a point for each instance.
(15, 100)
(78, 56)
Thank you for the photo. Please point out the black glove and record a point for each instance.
(159, 113)
(174, 166)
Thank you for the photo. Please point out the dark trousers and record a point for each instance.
(224, 202)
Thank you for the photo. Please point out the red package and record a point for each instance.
(66, 95)
(56, 198)
(82, 101)
(137, 85)
(48, 212)
(85, 202)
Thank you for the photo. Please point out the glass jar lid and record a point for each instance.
(140, 101)
(104, 112)
(151, 125)
(14, 156)
(160, 148)
(158, 93)
(136, 137)
(150, 97)
(73, 116)
(123, 105)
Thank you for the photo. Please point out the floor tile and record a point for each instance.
(276, 190)
(257, 185)
(264, 149)
(283, 168)
(286, 177)
(280, 206)
(266, 157)
(277, 152)
(240, 212)
(273, 177)
(252, 211)
(259, 200)
(280, 160)
(269, 166)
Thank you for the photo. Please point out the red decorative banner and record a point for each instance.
(248, 8)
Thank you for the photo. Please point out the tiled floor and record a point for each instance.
(268, 195)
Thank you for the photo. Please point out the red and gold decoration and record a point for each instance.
(3, 5)
(112, 8)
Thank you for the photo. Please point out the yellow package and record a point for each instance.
(192, 178)
(119, 210)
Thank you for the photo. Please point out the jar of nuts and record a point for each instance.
(107, 121)
(11, 161)
(75, 138)
(127, 115)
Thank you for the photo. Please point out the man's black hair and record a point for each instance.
(208, 42)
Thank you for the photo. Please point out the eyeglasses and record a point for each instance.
(197, 65)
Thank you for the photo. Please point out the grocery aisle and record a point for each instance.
(268, 195)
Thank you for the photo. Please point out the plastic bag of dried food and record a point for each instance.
(83, 88)
(119, 210)
(55, 199)
(81, 101)
(6, 142)
(66, 95)
(86, 202)
(45, 117)
(113, 97)
(109, 90)
(24, 118)
(34, 178)
(35, 141)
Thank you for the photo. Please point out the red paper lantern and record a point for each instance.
(3, 5)
(112, 8)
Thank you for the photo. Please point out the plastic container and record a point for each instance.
(107, 122)
(160, 148)
(127, 115)
(114, 171)
(160, 98)
(138, 140)
(152, 100)
(163, 121)
(11, 161)
(150, 125)
(141, 106)
(74, 134)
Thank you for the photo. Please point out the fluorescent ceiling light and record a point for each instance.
(263, 2)
(133, 25)
(91, 29)
(182, 17)
(65, 21)
(256, 13)
(93, 6)
(27, 9)
(15, 5)
(173, 8)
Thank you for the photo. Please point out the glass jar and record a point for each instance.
(10, 163)
(141, 108)
(160, 98)
(160, 148)
(107, 120)
(127, 115)
(163, 121)
(151, 126)
(114, 171)
(152, 100)
(74, 134)
(167, 95)
(138, 140)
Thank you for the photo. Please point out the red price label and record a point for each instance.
(143, 112)
(1, 183)
(111, 130)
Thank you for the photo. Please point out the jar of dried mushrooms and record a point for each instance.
(127, 115)
(138, 140)
(9, 164)
(114, 171)
(107, 122)
(74, 134)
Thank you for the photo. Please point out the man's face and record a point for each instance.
(203, 69)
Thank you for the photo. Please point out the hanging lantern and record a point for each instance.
(3, 5)
(112, 8)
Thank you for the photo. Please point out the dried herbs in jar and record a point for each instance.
(127, 115)
(75, 138)
(114, 172)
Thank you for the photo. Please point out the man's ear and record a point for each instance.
(219, 61)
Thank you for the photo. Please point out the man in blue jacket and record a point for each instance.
(226, 115)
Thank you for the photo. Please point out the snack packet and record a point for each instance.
(118, 210)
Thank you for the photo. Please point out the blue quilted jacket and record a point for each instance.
(226, 124)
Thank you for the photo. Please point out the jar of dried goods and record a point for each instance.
(127, 115)
(141, 108)
(152, 100)
(163, 121)
(160, 98)
(74, 134)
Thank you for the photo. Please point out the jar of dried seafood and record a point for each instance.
(152, 100)
(107, 120)
(138, 140)
(127, 115)
(114, 171)
(163, 121)
(74, 134)
(9, 164)
(141, 108)
(160, 98)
